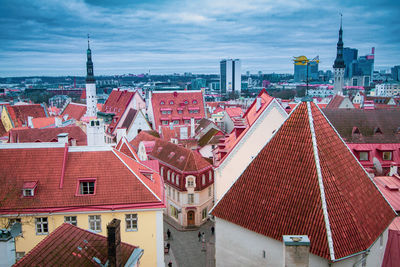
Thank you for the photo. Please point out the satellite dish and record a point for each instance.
(16, 229)
(377, 166)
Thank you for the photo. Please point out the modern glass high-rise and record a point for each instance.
(350, 59)
(230, 71)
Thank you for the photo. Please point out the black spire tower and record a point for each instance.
(339, 62)
(89, 65)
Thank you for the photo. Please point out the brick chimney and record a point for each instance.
(62, 138)
(296, 250)
(114, 243)
(393, 170)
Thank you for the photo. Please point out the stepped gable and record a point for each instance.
(306, 181)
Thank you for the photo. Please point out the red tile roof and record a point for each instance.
(390, 186)
(335, 102)
(280, 191)
(42, 122)
(167, 133)
(19, 114)
(178, 100)
(47, 135)
(119, 182)
(234, 112)
(61, 248)
(74, 111)
(251, 115)
(116, 103)
(181, 158)
(127, 148)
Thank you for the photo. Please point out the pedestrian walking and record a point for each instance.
(168, 246)
(212, 230)
(199, 236)
(203, 237)
(168, 234)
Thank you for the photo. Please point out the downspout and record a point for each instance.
(64, 165)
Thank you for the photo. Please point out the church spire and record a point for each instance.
(339, 62)
(89, 65)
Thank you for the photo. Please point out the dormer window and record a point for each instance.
(87, 187)
(171, 102)
(194, 102)
(387, 155)
(356, 130)
(162, 103)
(28, 189)
(377, 130)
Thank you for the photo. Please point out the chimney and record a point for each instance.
(95, 133)
(114, 243)
(62, 138)
(30, 123)
(58, 121)
(191, 127)
(296, 250)
(393, 170)
(258, 103)
(121, 132)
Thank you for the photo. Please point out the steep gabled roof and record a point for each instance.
(74, 111)
(117, 102)
(125, 147)
(119, 181)
(234, 112)
(47, 135)
(174, 101)
(42, 122)
(60, 248)
(388, 121)
(183, 159)
(306, 181)
(19, 114)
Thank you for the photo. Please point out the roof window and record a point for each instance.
(171, 102)
(86, 187)
(377, 130)
(194, 101)
(162, 103)
(28, 189)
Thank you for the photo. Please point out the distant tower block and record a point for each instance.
(91, 100)
(339, 66)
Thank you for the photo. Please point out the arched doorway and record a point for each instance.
(190, 218)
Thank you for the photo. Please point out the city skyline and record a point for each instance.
(40, 38)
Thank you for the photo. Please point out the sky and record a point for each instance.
(49, 37)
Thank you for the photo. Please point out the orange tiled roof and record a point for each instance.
(19, 114)
(74, 111)
(116, 186)
(280, 191)
(42, 122)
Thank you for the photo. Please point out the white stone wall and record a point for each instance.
(248, 147)
(139, 122)
(237, 246)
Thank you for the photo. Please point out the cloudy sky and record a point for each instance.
(49, 37)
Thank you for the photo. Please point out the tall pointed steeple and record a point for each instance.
(339, 66)
(339, 62)
(89, 65)
(91, 100)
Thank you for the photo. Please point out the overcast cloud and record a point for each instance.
(42, 37)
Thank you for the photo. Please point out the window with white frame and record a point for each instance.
(204, 213)
(210, 176)
(190, 182)
(86, 187)
(168, 175)
(131, 221)
(95, 223)
(190, 198)
(364, 155)
(28, 192)
(42, 226)
(203, 179)
(162, 171)
(70, 219)
(178, 196)
(19, 255)
(387, 155)
(169, 191)
(173, 193)
(173, 177)
(173, 211)
(164, 122)
(177, 179)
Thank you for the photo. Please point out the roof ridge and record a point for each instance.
(321, 184)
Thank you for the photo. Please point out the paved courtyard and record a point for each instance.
(186, 250)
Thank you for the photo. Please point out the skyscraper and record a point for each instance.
(350, 59)
(301, 64)
(91, 100)
(339, 66)
(231, 78)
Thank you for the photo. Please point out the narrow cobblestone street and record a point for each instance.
(185, 248)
